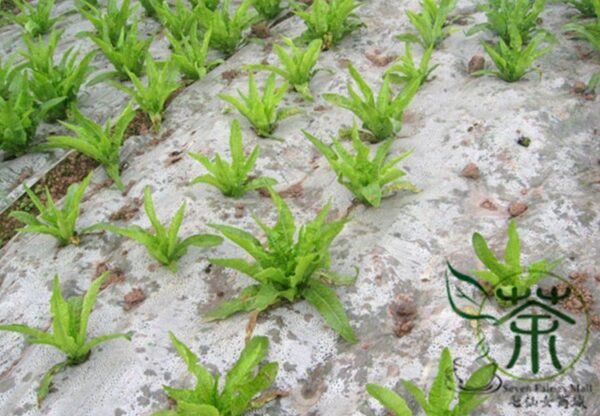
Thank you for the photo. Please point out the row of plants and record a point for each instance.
(294, 263)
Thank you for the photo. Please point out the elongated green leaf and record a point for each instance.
(389, 400)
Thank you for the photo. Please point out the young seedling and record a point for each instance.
(111, 23)
(382, 116)
(288, 270)
(509, 277)
(180, 21)
(590, 30)
(232, 178)
(69, 324)
(36, 19)
(191, 54)
(103, 144)
(430, 23)
(20, 116)
(163, 243)
(209, 4)
(369, 180)
(49, 80)
(242, 384)
(501, 14)
(57, 222)
(587, 8)
(297, 65)
(160, 84)
(227, 28)
(268, 9)
(405, 70)
(328, 20)
(127, 55)
(8, 71)
(514, 60)
(262, 112)
(150, 7)
(442, 392)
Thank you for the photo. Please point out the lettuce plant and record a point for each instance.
(297, 65)
(405, 70)
(227, 27)
(502, 14)
(111, 23)
(20, 116)
(442, 392)
(161, 82)
(232, 179)
(381, 116)
(36, 19)
(242, 383)
(328, 20)
(69, 330)
(430, 23)
(191, 54)
(127, 55)
(509, 278)
(180, 21)
(268, 9)
(51, 80)
(589, 30)
(587, 8)
(101, 143)
(368, 179)
(163, 243)
(262, 112)
(286, 270)
(57, 222)
(514, 60)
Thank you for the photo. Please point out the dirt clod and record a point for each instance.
(489, 205)
(403, 312)
(127, 211)
(261, 30)
(116, 275)
(471, 171)
(379, 58)
(133, 298)
(517, 208)
(239, 210)
(295, 190)
(477, 63)
(230, 75)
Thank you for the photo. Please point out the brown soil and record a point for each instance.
(133, 298)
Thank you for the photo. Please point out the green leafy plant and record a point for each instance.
(191, 54)
(232, 178)
(69, 324)
(288, 270)
(509, 277)
(20, 116)
(242, 384)
(160, 84)
(587, 8)
(328, 20)
(262, 112)
(36, 19)
(128, 54)
(8, 71)
(297, 65)
(180, 21)
(589, 30)
(51, 80)
(381, 116)
(57, 222)
(268, 9)
(442, 392)
(502, 14)
(101, 143)
(110, 24)
(163, 243)
(227, 28)
(430, 23)
(369, 180)
(150, 7)
(514, 60)
(405, 70)
(210, 4)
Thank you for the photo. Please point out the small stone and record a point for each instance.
(133, 298)
(517, 208)
(379, 59)
(579, 87)
(489, 205)
(477, 63)
(471, 171)
(524, 141)
(239, 210)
